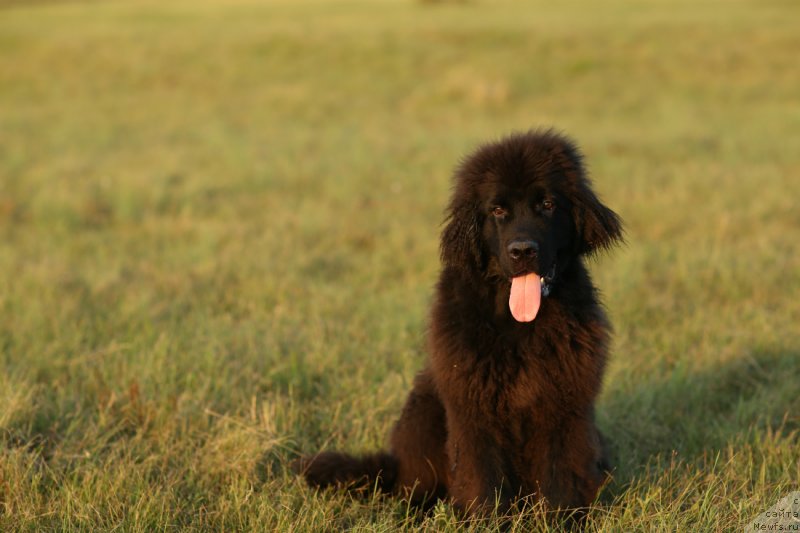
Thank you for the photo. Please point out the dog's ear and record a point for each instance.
(460, 244)
(598, 227)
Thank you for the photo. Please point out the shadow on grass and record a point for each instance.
(684, 415)
(688, 414)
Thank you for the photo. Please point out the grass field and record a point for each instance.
(218, 240)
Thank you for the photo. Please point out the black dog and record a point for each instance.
(518, 342)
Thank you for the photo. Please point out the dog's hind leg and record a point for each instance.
(417, 443)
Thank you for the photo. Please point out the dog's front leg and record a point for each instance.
(480, 480)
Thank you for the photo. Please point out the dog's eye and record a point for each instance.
(548, 205)
(499, 211)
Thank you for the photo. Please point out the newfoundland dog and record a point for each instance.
(504, 409)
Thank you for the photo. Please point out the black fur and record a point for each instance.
(504, 409)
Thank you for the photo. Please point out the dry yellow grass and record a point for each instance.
(218, 236)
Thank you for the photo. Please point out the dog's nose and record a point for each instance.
(523, 250)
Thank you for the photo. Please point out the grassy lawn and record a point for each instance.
(218, 240)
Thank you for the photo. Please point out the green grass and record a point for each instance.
(218, 239)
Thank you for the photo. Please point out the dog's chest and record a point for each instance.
(537, 373)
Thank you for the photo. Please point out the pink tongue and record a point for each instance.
(526, 294)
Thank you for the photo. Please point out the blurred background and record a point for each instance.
(219, 234)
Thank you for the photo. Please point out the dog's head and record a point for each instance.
(522, 210)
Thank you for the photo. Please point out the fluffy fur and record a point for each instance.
(504, 410)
